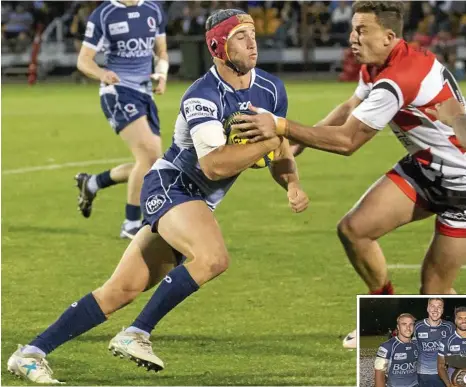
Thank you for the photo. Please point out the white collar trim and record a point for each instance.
(118, 4)
(213, 70)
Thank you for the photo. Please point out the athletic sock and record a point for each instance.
(80, 317)
(175, 287)
(92, 184)
(387, 289)
(132, 212)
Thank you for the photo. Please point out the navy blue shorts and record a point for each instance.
(164, 189)
(122, 105)
(430, 381)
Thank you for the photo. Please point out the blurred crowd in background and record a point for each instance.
(437, 25)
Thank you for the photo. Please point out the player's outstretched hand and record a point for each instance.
(110, 78)
(257, 127)
(161, 83)
(447, 111)
(297, 199)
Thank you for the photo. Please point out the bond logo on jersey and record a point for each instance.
(404, 368)
(135, 47)
(423, 335)
(130, 108)
(152, 24)
(454, 348)
(432, 346)
(118, 28)
(400, 356)
(382, 352)
(199, 108)
(89, 30)
(155, 203)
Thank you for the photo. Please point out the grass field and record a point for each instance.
(275, 318)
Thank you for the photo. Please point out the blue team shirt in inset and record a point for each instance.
(452, 345)
(210, 98)
(127, 36)
(402, 362)
(428, 338)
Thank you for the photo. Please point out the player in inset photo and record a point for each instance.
(396, 361)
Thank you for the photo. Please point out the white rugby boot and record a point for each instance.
(350, 341)
(31, 366)
(136, 347)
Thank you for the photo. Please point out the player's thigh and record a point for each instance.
(146, 260)
(383, 208)
(174, 206)
(192, 229)
(140, 139)
(444, 259)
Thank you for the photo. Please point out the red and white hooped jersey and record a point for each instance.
(398, 94)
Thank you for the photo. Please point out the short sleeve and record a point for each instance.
(282, 101)
(441, 348)
(162, 22)
(363, 89)
(200, 106)
(382, 104)
(94, 35)
(383, 352)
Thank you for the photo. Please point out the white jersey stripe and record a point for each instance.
(431, 85)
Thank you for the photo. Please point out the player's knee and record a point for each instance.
(215, 263)
(146, 154)
(349, 229)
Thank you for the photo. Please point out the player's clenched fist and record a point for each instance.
(297, 199)
(110, 78)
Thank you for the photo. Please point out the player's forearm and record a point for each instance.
(231, 160)
(379, 378)
(337, 116)
(89, 67)
(459, 126)
(442, 373)
(283, 167)
(327, 138)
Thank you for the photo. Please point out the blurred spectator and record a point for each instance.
(341, 20)
(77, 30)
(423, 34)
(17, 31)
(266, 17)
(319, 24)
(287, 33)
(444, 46)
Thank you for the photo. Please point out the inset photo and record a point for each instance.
(412, 341)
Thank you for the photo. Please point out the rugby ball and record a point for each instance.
(234, 139)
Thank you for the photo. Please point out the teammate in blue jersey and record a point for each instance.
(178, 196)
(455, 344)
(428, 333)
(128, 32)
(395, 364)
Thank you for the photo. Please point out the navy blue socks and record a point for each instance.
(80, 317)
(174, 288)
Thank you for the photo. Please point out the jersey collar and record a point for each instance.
(116, 3)
(213, 70)
(426, 321)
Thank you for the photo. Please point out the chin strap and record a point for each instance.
(231, 65)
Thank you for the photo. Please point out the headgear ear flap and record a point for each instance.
(214, 45)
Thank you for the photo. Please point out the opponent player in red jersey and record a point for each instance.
(398, 85)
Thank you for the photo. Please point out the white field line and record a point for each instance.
(405, 266)
(65, 165)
